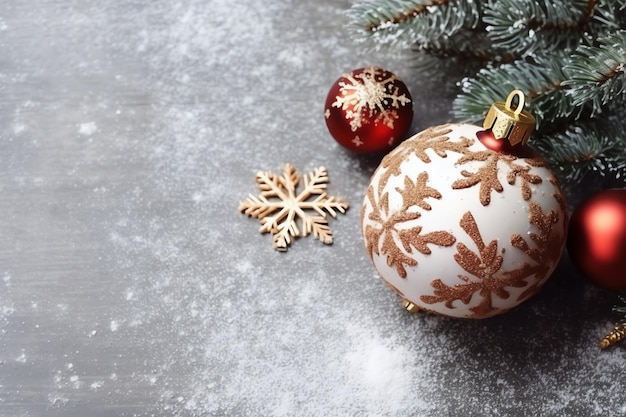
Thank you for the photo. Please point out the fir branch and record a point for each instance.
(406, 13)
(609, 16)
(457, 56)
(597, 74)
(567, 56)
(413, 22)
(541, 82)
(468, 47)
(587, 146)
(534, 27)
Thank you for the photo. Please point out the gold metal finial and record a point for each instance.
(615, 336)
(410, 306)
(506, 122)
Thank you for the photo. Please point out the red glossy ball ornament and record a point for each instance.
(597, 239)
(368, 110)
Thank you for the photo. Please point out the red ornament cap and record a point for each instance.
(596, 240)
(368, 110)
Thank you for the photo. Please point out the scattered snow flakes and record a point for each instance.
(21, 358)
(87, 129)
(198, 197)
(96, 385)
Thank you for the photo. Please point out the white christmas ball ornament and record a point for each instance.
(459, 229)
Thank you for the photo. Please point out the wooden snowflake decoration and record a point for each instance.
(279, 206)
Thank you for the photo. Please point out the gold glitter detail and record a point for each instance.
(414, 194)
(487, 175)
(544, 223)
(484, 266)
(547, 247)
(434, 138)
(438, 140)
(387, 225)
(370, 93)
(484, 276)
(526, 178)
(615, 336)
(385, 230)
(559, 196)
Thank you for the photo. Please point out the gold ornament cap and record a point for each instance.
(515, 125)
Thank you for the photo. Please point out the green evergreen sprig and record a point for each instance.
(584, 148)
(531, 27)
(596, 74)
(567, 56)
(541, 82)
(414, 22)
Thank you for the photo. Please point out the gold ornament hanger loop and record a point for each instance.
(508, 124)
(521, 100)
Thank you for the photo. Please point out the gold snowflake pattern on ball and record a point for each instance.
(437, 140)
(368, 93)
(484, 265)
(388, 229)
(484, 277)
(279, 206)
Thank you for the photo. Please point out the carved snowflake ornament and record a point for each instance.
(279, 206)
(368, 110)
(459, 229)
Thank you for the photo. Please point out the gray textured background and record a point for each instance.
(131, 285)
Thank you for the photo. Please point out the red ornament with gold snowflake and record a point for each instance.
(368, 110)
(459, 224)
(286, 213)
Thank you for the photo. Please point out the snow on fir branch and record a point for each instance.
(413, 21)
(595, 74)
(541, 82)
(567, 56)
(537, 26)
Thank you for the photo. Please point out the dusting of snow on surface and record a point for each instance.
(131, 285)
(87, 129)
